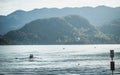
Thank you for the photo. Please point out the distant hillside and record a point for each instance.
(96, 16)
(70, 29)
(4, 41)
(112, 29)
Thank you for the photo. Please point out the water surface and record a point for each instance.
(58, 59)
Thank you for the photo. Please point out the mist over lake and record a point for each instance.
(58, 59)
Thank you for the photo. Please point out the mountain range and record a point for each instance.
(85, 25)
(96, 16)
(71, 29)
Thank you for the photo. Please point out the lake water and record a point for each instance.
(58, 59)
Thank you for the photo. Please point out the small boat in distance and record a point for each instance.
(31, 56)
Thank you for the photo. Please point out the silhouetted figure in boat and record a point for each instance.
(31, 56)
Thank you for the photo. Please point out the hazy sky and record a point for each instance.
(8, 6)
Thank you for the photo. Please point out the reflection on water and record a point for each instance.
(58, 59)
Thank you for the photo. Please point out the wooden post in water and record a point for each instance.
(112, 63)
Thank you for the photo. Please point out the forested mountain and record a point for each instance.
(70, 29)
(4, 41)
(112, 29)
(96, 16)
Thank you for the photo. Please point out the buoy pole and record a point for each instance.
(112, 63)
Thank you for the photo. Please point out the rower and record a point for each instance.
(31, 56)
